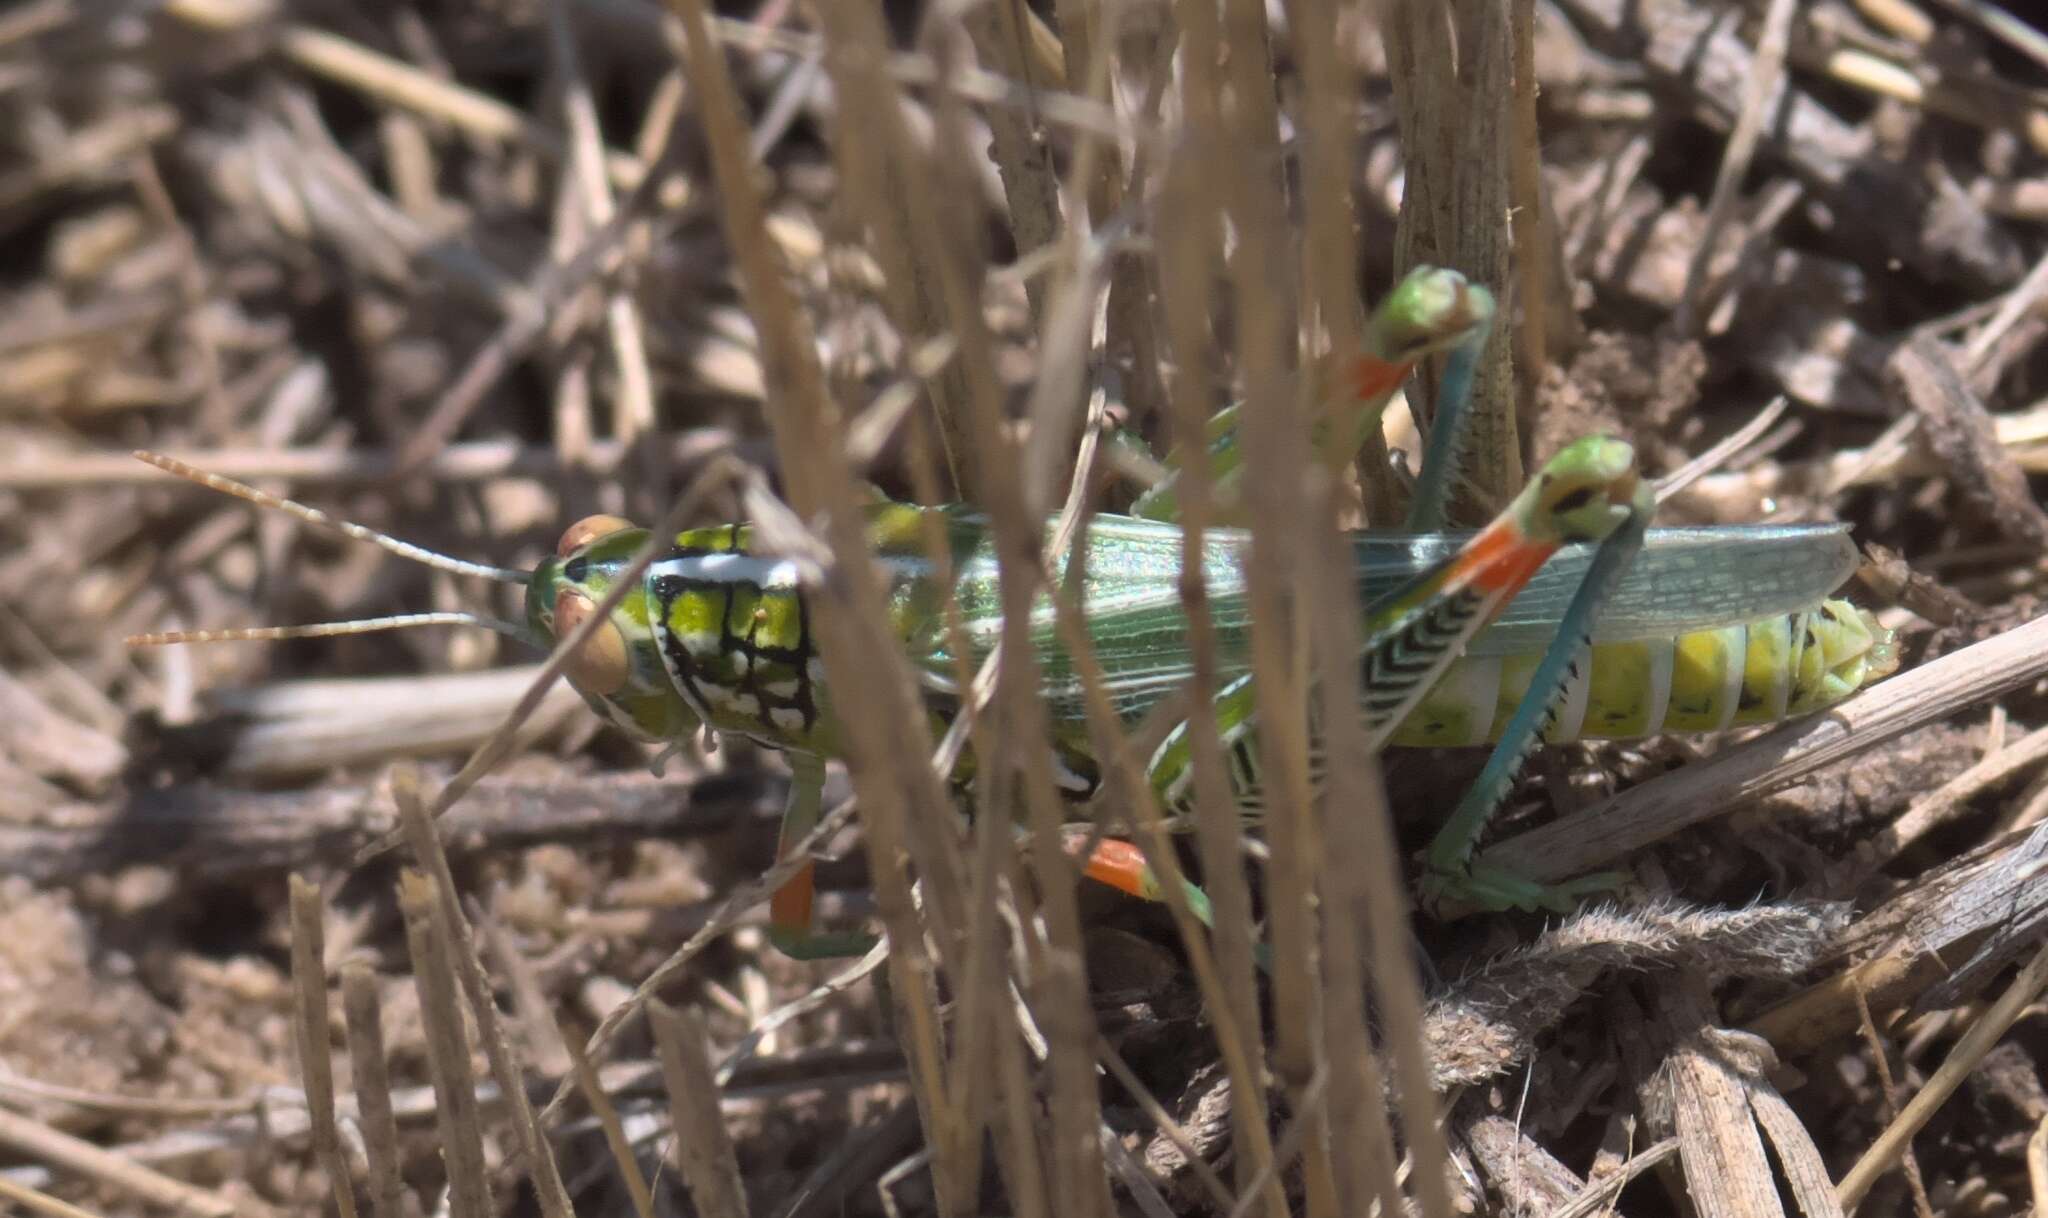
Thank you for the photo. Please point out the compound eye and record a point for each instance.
(587, 530)
(599, 666)
(1572, 500)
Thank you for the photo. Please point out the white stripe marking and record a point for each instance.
(1735, 654)
(1662, 654)
(1780, 695)
(1473, 685)
(1571, 715)
(766, 573)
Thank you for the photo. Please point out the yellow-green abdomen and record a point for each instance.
(1704, 681)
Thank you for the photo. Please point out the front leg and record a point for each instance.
(791, 909)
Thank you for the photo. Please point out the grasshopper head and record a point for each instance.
(618, 668)
(1586, 492)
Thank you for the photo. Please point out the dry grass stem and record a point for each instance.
(374, 1111)
(480, 461)
(349, 63)
(615, 1137)
(1766, 73)
(852, 637)
(316, 1059)
(704, 1149)
(1968, 1052)
(455, 1109)
(61, 1150)
(1947, 802)
(2037, 1165)
(1454, 95)
(458, 946)
(36, 1202)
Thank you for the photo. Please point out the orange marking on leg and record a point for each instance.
(1122, 866)
(1517, 569)
(1489, 545)
(790, 908)
(1500, 559)
(1371, 378)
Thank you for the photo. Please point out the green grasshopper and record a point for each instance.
(1468, 637)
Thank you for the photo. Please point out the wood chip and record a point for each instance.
(1961, 433)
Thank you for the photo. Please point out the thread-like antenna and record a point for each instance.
(320, 519)
(322, 630)
(349, 529)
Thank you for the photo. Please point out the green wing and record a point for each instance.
(1685, 579)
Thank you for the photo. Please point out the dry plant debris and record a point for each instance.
(467, 274)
